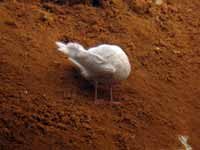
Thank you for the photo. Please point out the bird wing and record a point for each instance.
(100, 64)
(106, 51)
(96, 58)
(76, 63)
(82, 69)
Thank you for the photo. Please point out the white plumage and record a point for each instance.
(102, 64)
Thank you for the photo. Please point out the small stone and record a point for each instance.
(157, 48)
(25, 92)
(176, 52)
(158, 2)
(56, 62)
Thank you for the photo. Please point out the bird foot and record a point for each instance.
(98, 102)
(103, 102)
(115, 103)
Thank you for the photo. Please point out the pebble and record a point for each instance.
(176, 52)
(25, 92)
(158, 2)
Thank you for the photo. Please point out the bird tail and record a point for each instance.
(71, 49)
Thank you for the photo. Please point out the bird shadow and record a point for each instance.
(83, 88)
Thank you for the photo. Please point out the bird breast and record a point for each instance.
(121, 64)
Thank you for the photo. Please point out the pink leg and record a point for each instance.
(111, 94)
(96, 100)
(111, 97)
(95, 92)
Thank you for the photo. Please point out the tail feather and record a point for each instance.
(74, 51)
(62, 47)
(71, 49)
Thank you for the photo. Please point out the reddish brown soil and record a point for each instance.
(44, 104)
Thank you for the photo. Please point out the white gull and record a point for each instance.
(102, 64)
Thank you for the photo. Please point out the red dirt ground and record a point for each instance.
(44, 104)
